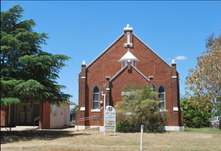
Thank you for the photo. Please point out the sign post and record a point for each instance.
(141, 138)
(110, 120)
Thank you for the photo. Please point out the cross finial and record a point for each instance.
(128, 28)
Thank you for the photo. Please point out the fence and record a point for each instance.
(87, 119)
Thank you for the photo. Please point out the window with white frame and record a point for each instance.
(161, 97)
(54, 110)
(96, 98)
(125, 94)
(61, 109)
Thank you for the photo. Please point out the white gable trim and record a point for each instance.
(123, 69)
(105, 50)
(141, 73)
(151, 50)
(116, 74)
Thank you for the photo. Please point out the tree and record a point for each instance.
(74, 109)
(194, 117)
(140, 107)
(28, 73)
(204, 81)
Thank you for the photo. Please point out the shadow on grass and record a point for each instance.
(16, 136)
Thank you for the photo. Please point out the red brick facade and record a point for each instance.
(4, 115)
(107, 64)
(44, 121)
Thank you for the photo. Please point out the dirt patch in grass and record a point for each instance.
(96, 141)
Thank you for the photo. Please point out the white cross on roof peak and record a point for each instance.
(128, 28)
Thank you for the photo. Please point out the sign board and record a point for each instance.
(95, 118)
(110, 119)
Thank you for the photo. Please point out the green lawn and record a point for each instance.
(203, 130)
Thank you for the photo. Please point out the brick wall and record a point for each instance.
(149, 64)
(44, 121)
(126, 77)
(4, 115)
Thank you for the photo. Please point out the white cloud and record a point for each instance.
(180, 58)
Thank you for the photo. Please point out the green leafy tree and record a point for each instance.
(204, 81)
(73, 110)
(215, 113)
(140, 107)
(193, 116)
(28, 73)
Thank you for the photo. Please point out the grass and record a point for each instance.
(206, 139)
(203, 130)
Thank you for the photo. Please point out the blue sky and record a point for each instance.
(82, 30)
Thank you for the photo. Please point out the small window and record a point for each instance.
(125, 94)
(61, 109)
(96, 98)
(54, 109)
(162, 97)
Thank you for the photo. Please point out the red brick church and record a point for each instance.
(128, 60)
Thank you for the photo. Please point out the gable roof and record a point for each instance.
(152, 50)
(125, 68)
(105, 50)
(135, 57)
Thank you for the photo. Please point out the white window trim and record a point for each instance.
(61, 109)
(164, 97)
(54, 110)
(125, 93)
(93, 98)
(163, 110)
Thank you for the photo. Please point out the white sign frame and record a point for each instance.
(110, 120)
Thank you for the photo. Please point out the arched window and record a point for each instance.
(162, 97)
(96, 98)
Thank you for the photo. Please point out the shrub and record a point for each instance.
(194, 117)
(156, 123)
(123, 126)
(140, 107)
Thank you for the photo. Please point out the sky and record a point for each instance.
(84, 29)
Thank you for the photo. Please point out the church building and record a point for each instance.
(128, 60)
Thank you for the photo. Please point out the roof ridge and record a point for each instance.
(152, 50)
(105, 50)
